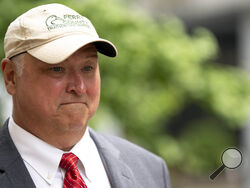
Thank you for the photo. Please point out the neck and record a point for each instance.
(64, 139)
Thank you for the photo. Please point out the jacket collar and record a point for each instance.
(119, 173)
(12, 168)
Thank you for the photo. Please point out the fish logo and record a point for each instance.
(54, 22)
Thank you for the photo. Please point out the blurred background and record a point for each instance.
(180, 86)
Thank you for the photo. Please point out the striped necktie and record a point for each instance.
(72, 177)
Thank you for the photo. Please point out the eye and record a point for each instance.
(88, 68)
(57, 69)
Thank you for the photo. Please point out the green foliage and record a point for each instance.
(159, 70)
(202, 154)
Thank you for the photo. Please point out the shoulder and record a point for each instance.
(124, 146)
(134, 155)
(130, 149)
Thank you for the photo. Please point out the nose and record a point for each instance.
(76, 84)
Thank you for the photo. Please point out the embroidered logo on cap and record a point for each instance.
(55, 22)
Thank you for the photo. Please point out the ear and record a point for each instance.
(9, 75)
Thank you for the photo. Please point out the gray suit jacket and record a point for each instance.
(127, 165)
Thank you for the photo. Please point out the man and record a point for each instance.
(51, 70)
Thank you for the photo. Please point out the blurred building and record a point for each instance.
(229, 20)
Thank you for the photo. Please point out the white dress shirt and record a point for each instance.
(42, 160)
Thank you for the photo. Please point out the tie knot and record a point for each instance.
(68, 161)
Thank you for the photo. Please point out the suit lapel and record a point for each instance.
(120, 175)
(13, 172)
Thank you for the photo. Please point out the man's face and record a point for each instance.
(57, 99)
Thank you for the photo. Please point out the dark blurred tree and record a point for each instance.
(160, 70)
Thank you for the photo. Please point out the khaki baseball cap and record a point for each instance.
(52, 33)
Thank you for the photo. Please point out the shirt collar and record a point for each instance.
(44, 158)
(85, 150)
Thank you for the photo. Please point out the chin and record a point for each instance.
(77, 124)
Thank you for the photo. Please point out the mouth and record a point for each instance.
(70, 103)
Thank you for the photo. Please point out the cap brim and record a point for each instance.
(60, 49)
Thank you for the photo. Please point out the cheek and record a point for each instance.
(93, 92)
(47, 94)
(53, 91)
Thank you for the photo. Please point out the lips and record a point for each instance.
(68, 103)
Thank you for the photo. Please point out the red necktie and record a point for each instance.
(72, 177)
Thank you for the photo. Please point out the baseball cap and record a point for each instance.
(52, 33)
